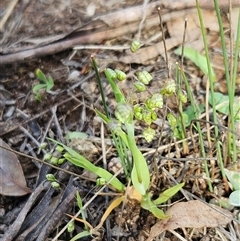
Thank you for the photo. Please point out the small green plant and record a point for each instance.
(122, 128)
(45, 85)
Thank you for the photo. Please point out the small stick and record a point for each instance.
(183, 42)
(144, 14)
(164, 41)
(7, 14)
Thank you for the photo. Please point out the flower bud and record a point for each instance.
(154, 115)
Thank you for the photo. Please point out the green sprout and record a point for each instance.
(45, 85)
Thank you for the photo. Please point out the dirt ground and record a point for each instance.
(42, 34)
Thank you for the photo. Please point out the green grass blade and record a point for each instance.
(95, 67)
(40, 75)
(196, 114)
(164, 196)
(80, 235)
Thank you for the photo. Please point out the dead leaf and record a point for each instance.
(191, 214)
(12, 180)
(193, 34)
(128, 15)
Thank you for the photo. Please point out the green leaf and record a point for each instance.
(79, 200)
(84, 163)
(138, 185)
(191, 114)
(233, 178)
(140, 174)
(222, 104)
(163, 197)
(78, 160)
(37, 87)
(81, 235)
(149, 205)
(234, 198)
(198, 59)
(40, 75)
(49, 83)
(102, 116)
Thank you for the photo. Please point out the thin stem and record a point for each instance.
(100, 86)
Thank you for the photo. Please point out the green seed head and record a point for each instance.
(111, 73)
(54, 160)
(43, 145)
(140, 86)
(144, 77)
(47, 157)
(55, 185)
(172, 120)
(135, 45)
(183, 98)
(120, 75)
(169, 87)
(71, 227)
(59, 149)
(157, 100)
(61, 161)
(124, 113)
(138, 112)
(50, 177)
(100, 181)
(149, 134)
(147, 117)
